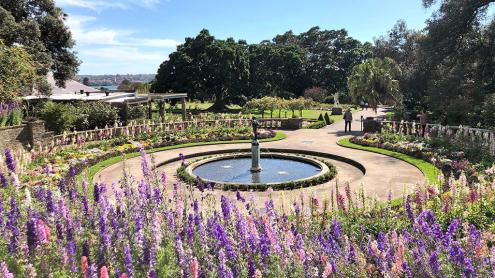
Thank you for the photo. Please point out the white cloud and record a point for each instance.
(122, 53)
(83, 34)
(100, 5)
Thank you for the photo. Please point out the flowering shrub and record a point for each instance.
(145, 229)
(10, 114)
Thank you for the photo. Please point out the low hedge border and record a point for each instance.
(429, 170)
(184, 176)
(316, 125)
(116, 157)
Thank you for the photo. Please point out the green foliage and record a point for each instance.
(206, 66)
(95, 114)
(488, 112)
(15, 117)
(58, 117)
(328, 121)
(17, 73)
(39, 26)
(230, 72)
(136, 112)
(448, 67)
(375, 81)
(316, 125)
(320, 118)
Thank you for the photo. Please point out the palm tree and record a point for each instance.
(375, 80)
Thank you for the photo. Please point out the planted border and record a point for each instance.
(99, 166)
(429, 170)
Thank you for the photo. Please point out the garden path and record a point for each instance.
(384, 174)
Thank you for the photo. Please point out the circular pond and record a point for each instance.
(277, 168)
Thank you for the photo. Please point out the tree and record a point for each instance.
(330, 56)
(203, 67)
(316, 94)
(125, 85)
(375, 80)
(275, 69)
(38, 25)
(86, 81)
(18, 76)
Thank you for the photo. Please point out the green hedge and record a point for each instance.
(316, 125)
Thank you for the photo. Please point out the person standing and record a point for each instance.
(423, 122)
(348, 119)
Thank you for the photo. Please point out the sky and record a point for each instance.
(136, 36)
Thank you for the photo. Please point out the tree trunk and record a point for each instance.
(219, 105)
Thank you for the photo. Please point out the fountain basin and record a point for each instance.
(279, 171)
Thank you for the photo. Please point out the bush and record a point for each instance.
(328, 121)
(95, 114)
(136, 112)
(58, 117)
(316, 125)
(320, 118)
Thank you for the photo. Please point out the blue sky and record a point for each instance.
(135, 36)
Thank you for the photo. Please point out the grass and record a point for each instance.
(94, 169)
(429, 170)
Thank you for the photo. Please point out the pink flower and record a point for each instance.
(104, 272)
(328, 270)
(194, 268)
(84, 266)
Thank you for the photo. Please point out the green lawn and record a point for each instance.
(429, 170)
(93, 170)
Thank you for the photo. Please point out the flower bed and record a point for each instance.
(447, 160)
(56, 164)
(146, 229)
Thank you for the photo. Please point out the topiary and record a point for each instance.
(328, 121)
(320, 118)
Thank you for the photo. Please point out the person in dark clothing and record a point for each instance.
(348, 119)
(423, 121)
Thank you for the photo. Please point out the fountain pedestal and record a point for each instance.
(255, 156)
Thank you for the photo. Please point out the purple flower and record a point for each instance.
(9, 160)
(128, 261)
(239, 197)
(407, 270)
(336, 229)
(435, 266)
(409, 211)
(3, 180)
(226, 208)
(469, 269)
(223, 269)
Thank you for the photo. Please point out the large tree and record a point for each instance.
(330, 56)
(449, 67)
(276, 70)
(207, 68)
(375, 81)
(38, 25)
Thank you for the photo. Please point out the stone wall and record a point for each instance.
(14, 137)
(29, 133)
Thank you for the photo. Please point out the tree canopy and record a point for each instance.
(375, 81)
(17, 74)
(233, 72)
(449, 67)
(38, 25)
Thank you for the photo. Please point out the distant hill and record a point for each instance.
(114, 79)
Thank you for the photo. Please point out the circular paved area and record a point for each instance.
(383, 173)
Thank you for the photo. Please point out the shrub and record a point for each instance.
(58, 117)
(95, 114)
(136, 112)
(328, 121)
(316, 125)
(320, 118)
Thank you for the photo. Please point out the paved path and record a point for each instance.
(383, 173)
